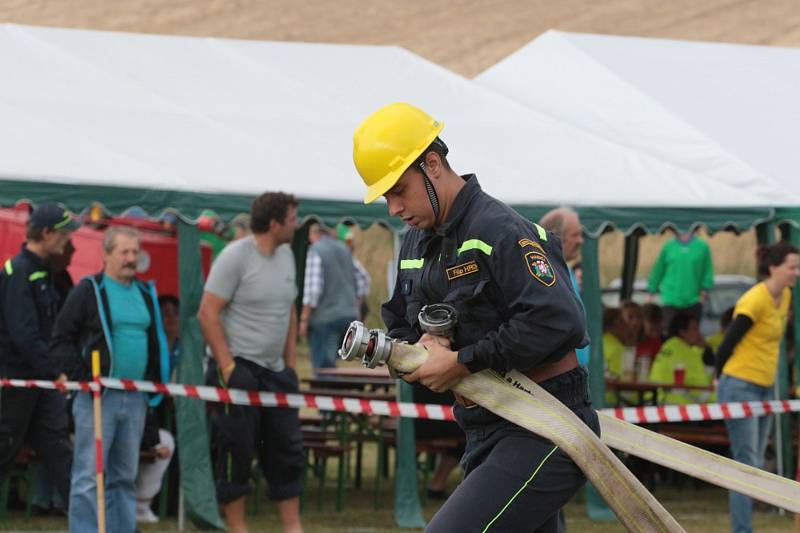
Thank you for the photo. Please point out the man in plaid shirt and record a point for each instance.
(333, 287)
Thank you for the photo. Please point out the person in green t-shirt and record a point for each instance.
(682, 274)
(683, 357)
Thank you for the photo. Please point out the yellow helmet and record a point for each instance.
(388, 142)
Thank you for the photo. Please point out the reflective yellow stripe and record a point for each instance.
(64, 222)
(475, 244)
(542, 232)
(9, 268)
(524, 485)
(406, 264)
(37, 275)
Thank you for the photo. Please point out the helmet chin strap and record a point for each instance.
(434, 199)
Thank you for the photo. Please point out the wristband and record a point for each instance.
(229, 367)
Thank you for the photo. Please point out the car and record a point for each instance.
(726, 291)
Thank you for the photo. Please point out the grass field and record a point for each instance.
(703, 510)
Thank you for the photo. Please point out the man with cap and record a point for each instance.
(508, 282)
(29, 304)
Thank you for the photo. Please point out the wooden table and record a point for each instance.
(642, 388)
(355, 372)
(353, 382)
(361, 395)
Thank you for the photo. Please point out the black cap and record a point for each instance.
(53, 216)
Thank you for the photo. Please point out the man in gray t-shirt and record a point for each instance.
(249, 322)
(260, 289)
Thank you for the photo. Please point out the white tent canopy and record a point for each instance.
(231, 116)
(731, 109)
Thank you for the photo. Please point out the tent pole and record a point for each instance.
(594, 318)
(197, 481)
(765, 234)
(793, 234)
(407, 507)
(629, 265)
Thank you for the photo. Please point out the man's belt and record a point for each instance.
(536, 374)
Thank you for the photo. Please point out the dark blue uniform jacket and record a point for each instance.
(28, 308)
(505, 276)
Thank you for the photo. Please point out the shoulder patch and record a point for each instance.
(527, 242)
(540, 268)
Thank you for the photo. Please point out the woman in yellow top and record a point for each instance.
(748, 357)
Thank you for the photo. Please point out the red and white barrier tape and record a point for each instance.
(635, 415)
(702, 411)
(254, 398)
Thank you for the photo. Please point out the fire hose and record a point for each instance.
(518, 399)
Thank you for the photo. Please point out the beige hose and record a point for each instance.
(531, 407)
(696, 462)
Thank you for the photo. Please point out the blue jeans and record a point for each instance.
(748, 438)
(325, 340)
(123, 424)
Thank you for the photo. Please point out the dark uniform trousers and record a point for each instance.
(242, 433)
(515, 481)
(41, 416)
(28, 307)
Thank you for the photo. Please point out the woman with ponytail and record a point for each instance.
(748, 360)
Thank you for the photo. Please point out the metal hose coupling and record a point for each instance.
(372, 346)
(438, 319)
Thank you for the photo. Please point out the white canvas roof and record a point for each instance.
(232, 116)
(729, 109)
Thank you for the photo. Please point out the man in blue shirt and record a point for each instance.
(118, 315)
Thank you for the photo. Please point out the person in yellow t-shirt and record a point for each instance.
(748, 359)
(615, 331)
(684, 351)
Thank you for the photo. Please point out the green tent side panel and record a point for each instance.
(653, 220)
(197, 481)
(189, 204)
(594, 320)
(407, 509)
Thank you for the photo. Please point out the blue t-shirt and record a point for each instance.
(584, 354)
(129, 322)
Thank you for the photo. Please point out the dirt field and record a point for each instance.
(466, 36)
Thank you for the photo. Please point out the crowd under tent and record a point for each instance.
(723, 109)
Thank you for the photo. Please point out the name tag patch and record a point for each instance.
(540, 268)
(461, 270)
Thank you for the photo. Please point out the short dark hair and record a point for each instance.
(439, 148)
(773, 255)
(33, 233)
(679, 322)
(268, 207)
